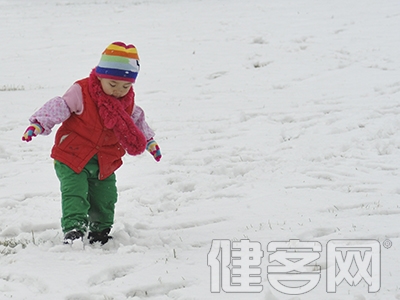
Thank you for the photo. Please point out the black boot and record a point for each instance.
(101, 237)
(72, 235)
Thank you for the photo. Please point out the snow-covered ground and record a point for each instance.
(277, 120)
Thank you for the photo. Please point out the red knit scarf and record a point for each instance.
(113, 113)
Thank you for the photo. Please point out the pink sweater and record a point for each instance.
(59, 109)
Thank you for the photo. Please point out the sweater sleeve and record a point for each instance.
(74, 99)
(59, 109)
(54, 111)
(139, 119)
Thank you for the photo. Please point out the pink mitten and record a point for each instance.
(31, 131)
(154, 150)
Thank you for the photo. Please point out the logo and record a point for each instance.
(294, 275)
(236, 269)
(293, 269)
(358, 257)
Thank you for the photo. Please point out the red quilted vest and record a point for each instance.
(82, 136)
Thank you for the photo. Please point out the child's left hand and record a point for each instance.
(154, 150)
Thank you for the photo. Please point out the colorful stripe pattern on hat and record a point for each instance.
(119, 62)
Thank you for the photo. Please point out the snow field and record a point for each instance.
(276, 121)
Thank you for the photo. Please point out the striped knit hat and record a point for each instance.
(119, 62)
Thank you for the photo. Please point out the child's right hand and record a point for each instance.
(31, 131)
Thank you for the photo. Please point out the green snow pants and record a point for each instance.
(87, 202)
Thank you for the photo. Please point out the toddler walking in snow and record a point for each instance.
(100, 123)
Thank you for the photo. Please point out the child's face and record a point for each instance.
(116, 88)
